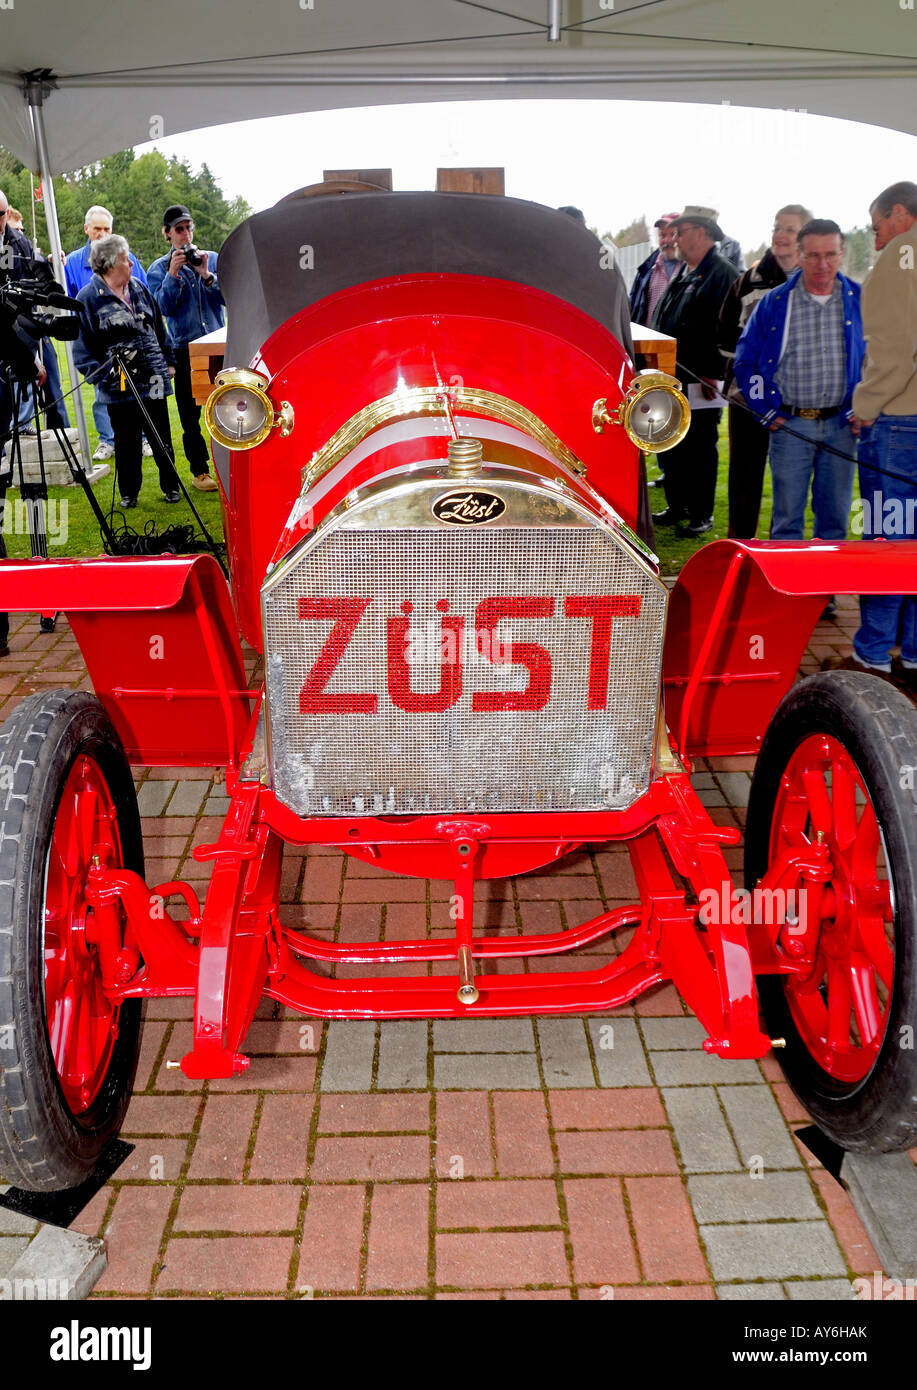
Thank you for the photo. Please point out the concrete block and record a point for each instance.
(883, 1188)
(59, 1264)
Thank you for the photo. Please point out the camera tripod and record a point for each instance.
(35, 494)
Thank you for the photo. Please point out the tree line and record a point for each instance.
(136, 190)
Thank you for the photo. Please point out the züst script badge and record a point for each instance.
(468, 507)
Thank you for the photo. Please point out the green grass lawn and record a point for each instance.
(76, 526)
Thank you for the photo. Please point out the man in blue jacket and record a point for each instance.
(77, 274)
(796, 364)
(185, 286)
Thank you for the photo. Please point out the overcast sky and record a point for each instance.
(614, 159)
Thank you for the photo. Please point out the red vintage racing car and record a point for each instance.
(429, 446)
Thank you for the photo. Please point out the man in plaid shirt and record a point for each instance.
(796, 364)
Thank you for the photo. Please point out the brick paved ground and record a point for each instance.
(557, 1158)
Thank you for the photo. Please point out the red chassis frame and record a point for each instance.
(234, 949)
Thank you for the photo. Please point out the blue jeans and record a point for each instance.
(102, 422)
(793, 462)
(890, 512)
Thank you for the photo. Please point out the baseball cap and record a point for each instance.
(176, 213)
(665, 219)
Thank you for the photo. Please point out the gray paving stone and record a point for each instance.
(701, 1131)
(348, 1062)
(735, 786)
(702, 779)
(759, 1127)
(216, 805)
(13, 1223)
(672, 1034)
(402, 1055)
(623, 1063)
(711, 796)
(736, 1197)
(483, 1035)
(483, 1071)
(60, 1264)
(153, 796)
(11, 1247)
(565, 1059)
(188, 798)
(697, 1068)
(749, 1293)
(772, 1250)
(833, 1290)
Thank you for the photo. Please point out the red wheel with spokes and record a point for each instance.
(81, 1020)
(837, 767)
(68, 800)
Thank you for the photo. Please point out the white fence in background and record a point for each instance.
(629, 257)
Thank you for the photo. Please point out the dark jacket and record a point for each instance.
(740, 301)
(19, 261)
(639, 290)
(108, 326)
(761, 347)
(17, 257)
(731, 251)
(690, 311)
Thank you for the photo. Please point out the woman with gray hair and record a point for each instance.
(122, 336)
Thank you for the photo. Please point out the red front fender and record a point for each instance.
(160, 642)
(740, 617)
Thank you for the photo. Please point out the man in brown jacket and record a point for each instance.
(885, 414)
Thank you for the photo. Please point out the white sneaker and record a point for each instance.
(104, 451)
(147, 451)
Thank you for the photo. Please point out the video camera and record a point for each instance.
(31, 309)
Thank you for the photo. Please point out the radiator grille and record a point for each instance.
(564, 756)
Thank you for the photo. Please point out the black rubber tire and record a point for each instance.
(44, 1147)
(877, 725)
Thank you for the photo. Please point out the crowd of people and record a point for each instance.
(135, 328)
(818, 373)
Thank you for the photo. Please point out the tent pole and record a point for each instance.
(35, 94)
(554, 19)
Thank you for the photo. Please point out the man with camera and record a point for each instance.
(184, 284)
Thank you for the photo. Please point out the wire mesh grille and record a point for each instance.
(580, 744)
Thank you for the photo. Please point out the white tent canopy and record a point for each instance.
(119, 75)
